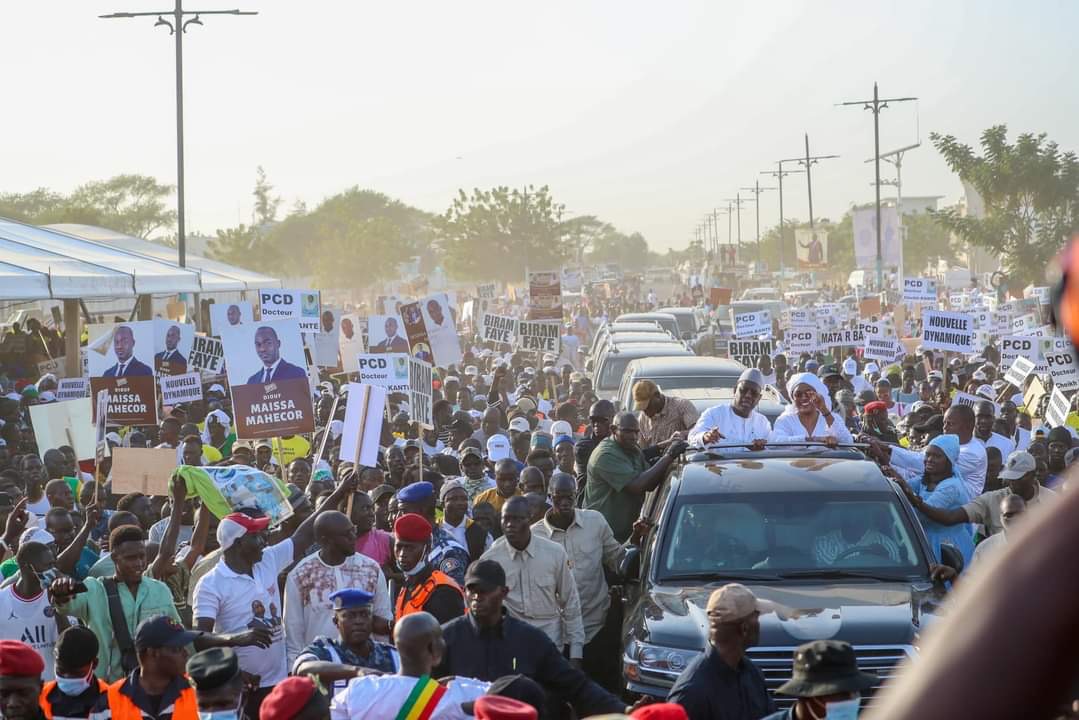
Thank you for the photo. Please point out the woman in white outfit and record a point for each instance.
(809, 417)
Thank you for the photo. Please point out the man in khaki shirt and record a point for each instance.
(590, 545)
(661, 416)
(542, 591)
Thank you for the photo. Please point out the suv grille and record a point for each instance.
(777, 665)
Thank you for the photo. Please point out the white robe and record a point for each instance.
(378, 697)
(733, 427)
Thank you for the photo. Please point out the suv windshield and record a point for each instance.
(800, 533)
(611, 376)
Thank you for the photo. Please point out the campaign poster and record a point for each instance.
(351, 340)
(540, 337)
(800, 340)
(389, 370)
(172, 346)
(748, 352)
(121, 361)
(386, 334)
(753, 324)
(177, 389)
(362, 430)
(849, 337)
(267, 372)
(811, 248)
(300, 305)
(864, 227)
(223, 315)
(207, 355)
(572, 279)
(439, 320)
(545, 295)
(952, 331)
(416, 331)
(500, 329)
(72, 388)
(325, 343)
(919, 289)
(487, 291)
(421, 392)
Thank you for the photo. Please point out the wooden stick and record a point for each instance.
(326, 431)
(366, 401)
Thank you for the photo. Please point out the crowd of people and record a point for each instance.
(473, 570)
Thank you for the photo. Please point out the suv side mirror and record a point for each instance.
(951, 557)
(630, 568)
(687, 335)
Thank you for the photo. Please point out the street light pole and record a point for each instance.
(778, 175)
(757, 190)
(895, 157)
(876, 105)
(178, 26)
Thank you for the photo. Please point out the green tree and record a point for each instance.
(1031, 194)
(236, 246)
(131, 204)
(266, 203)
(358, 253)
(926, 241)
(498, 233)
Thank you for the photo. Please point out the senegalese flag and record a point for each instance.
(422, 701)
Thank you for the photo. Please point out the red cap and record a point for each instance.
(661, 711)
(876, 405)
(496, 707)
(17, 659)
(411, 527)
(249, 523)
(287, 698)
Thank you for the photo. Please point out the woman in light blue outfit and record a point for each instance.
(942, 486)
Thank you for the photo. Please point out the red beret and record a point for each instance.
(496, 707)
(287, 698)
(875, 405)
(411, 527)
(17, 659)
(661, 711)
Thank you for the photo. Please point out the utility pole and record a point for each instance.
(779, 175)
(757, 190)
(895, 157)
(808, 161)
(177, 27)
(876, 105)
(736, 202)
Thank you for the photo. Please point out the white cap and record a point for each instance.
(850, 366)
(336, 428)
(36, 534)
(871, 368)
(561, 427)
(544, 425)
(498, 448)
(216, 387)
(520, 424)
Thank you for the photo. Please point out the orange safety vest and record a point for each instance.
(46, 706)
(186, 706)
(421, 594)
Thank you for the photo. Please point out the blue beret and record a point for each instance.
(563, 438)
(416, 492)
(350, 598)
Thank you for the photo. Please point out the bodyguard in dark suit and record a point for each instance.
(177, 363)
(127, 365)
(268, 347)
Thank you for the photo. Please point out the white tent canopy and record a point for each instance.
(65, 276)
(152, 277)
(215, 276)
(22, 284)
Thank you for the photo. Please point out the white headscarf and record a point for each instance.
(810, 379)
(222, 418)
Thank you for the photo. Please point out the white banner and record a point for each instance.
(916, 290)
(884, 349)
(180, 388)
(362, 430)
(748, 352)
(949, 331)
(1019, 371)
(962, 398)
(753, 324)
(803, 318)
(1059, 357)
(1059, 406)
(800, 340)
(421, 392)
(498, 328)
(1025, 324)
(388, 370)
(303, 305)
(840, 338)
(864, 225)
(1013, 346)
(541, 337)
(72, 388)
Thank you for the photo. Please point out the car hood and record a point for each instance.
(860, 613)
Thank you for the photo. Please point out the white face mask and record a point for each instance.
(220, 715)
(74, 687)
(843, 709)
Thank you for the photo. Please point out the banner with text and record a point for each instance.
(949, 331)
(300, 305)
(499, 328)
(540, 337)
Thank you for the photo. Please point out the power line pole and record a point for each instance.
(177, 27)
(779, 175)
(808, 161)
(895, 157)
(876, 105)
(757, 190)
(736, 202)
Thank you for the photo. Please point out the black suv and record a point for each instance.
(820, 532)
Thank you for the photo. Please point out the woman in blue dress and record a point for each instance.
(941, 486)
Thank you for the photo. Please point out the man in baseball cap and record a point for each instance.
(723, 682)
(161, 643)
(826, 681)
(235, 526)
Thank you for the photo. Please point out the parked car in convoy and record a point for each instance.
(610, 365)
(761, 293)
(821, 533)
(630, 337)
(688, 321)
(667, 321)
(706, 381)
(616, 328)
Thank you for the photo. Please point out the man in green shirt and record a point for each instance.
(619, 476)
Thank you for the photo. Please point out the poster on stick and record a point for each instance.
(300, 305)
(545, 295)
(539, 337)
(223, 315)
(363, 424)
(172, 346)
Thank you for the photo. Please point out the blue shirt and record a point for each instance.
(383, 657)
(448, 555)
(710, 689)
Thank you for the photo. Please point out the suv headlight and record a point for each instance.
(656, 658)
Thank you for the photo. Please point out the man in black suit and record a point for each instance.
(170, 356)
(393, 343)
(268, 348)
(127, 365)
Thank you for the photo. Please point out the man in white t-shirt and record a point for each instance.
(241, 592)
(26, 613)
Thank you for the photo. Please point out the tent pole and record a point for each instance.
(72, 331)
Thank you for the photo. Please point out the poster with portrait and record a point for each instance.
(439, 321)
(811, 248)
(416, 331)
(386, 334)
(301, 305)
(267, 372)
(324, 343)
(120, 360)
(351, 340)
(226, 314)
(864, 227)
(172, 346)
(545, 295)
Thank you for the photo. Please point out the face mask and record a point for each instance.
(219, 715)
(74, 686)
(843, 710)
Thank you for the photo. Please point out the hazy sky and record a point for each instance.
(646, 114)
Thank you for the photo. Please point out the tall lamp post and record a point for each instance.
(757, 190)
(895, 157)
(177, 26)
(779, 175)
